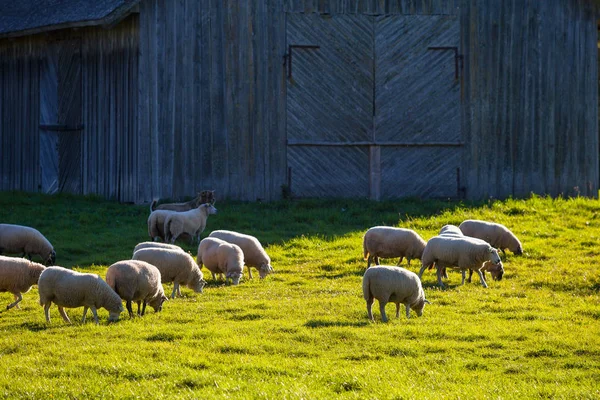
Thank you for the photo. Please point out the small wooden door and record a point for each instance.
(61, 118)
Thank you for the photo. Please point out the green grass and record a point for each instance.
(303, 332)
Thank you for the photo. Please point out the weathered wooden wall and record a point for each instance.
(530, 106)
(192, 95)
(69, 103)
(211, 98)
(19, 115)
(111, 155)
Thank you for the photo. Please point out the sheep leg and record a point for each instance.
(382, 311)
(95, 312)
(129, 309)
(175, 288)
(369, 309)
(143, 307)
(400, 261)
(47, 311)
(470, 275)
(85, 309)
(397, 310)
(407, 310)
(179, 291)
(439, 276)
(369, 259)
(18, 298)
(462, 271)
(423, 268)
(482, 279)
(376, 259)
(64, 316)
(249, 272)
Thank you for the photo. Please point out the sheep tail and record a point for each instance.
(153, 205)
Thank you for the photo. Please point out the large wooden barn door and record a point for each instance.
(61, 118)
(329, 104)
(417, 105)
(373, 106)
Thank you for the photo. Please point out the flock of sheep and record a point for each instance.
(471, 246)
(139, 279)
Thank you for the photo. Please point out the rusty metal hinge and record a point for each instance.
(457, 57)
(287, 58)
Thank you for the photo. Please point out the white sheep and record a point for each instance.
(450, 230)
(386, 242)
(254, 254)
(27, 241)
(462, 252)
(17, 276)
(191, 222)
(393, 284)
(156, 224)
(67, 288)
(221, 257)
(496, 270)
(498, 235)
(138, 281)
(175, 266)
(145, 245)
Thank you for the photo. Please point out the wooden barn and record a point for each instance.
(140, 99)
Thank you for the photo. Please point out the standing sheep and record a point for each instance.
(254, 254)
(137, 281)
(18, 275)
(26, 240)
(191, 222)
(498, 235)
(386, 242)
(454, 251)
(205, 196)
(174, 266)
(156, 224)
(393, 284)
(221, 257)
(70, 289)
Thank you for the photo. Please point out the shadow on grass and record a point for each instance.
(34, 326)
(317, 323)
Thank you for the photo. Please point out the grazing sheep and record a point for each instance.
(70, 289)
(138, 281)
(254, 254)
(450, 230)
(191, 222)
(386, 242)
(205, 196)
(498, 235)
(393, 284)
(26, 240)
(460, 252)
(221, 257)
(18, 275)
(496, 270)
(174, 266)
(145, 245)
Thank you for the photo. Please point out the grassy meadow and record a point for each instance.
(303, 332)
